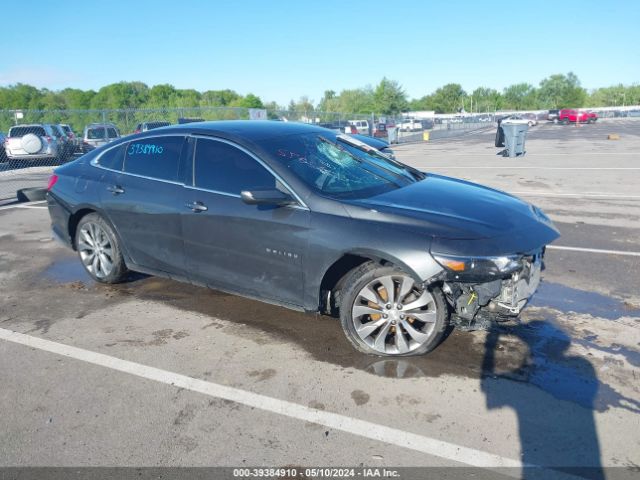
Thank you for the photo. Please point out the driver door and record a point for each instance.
(257, 250)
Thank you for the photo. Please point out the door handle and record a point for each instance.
(196, 206)
(115, 189)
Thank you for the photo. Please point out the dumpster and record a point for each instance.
(392, 134)
(515, 135)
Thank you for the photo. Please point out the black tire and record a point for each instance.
(119, 271)
(357, 280)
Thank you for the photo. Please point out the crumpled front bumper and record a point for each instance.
(475, 305)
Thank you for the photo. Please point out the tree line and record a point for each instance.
(387, 97)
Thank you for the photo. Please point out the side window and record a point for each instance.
(224, 168)
(113, 158)
(155, 157)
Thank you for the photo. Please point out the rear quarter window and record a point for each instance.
(157, 157)
(113, 158)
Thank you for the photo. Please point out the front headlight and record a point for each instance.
(480, 265)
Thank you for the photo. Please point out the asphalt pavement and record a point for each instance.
(157, 373)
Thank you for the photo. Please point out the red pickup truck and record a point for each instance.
(568, 115)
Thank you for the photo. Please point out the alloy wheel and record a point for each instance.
(393, 315)
(96, 251)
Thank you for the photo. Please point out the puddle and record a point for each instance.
(67, 270)
(70, 270)
(567, 299)
(534, 353)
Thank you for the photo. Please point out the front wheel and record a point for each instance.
(383, 311)
(99, 250)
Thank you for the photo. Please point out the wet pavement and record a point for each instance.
(559, 387)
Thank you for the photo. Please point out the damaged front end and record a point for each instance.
(489, 289)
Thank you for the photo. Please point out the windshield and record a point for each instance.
(95, 133)
(340, 166)
(22, 131)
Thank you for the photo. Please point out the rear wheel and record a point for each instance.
(383, 311)
(99, 250)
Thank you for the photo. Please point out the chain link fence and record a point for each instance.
(24, 166)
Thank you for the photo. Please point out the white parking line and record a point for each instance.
(362, 428)
(25, 205)
(594, 250)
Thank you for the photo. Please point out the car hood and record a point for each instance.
(451, 210)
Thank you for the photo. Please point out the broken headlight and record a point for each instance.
(480, 266)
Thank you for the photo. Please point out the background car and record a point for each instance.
(66, 142)
(569, 115)
(521, 119)
(71, 134)
(3, 153)
(532, 119)
(362, 126)
(552, 116)
(33, 142)
(380, 130)
(98, 134)
(410, 125)
(145, 126)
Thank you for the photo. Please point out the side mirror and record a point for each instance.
(267, 197)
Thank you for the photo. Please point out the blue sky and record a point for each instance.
(285, 49)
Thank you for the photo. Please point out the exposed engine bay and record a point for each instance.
(477, 303)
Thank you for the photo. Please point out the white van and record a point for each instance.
(361, 125)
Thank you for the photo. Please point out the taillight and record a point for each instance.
(52, 181)
(48, 139)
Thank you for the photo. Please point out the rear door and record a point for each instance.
(258, 250)
(143, 196)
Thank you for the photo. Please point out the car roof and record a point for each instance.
(251, 130)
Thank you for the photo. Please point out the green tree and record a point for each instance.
(615, 95)
(423, 103)
(389, 97)
(162, 96)
(520, 96)
(357, 100)
(325, 103)
(248, 101)
(218, 98)
(77, 99)
(561, 91)
(486, 99)
(20, 96)
(448, 98)
(121, 95)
